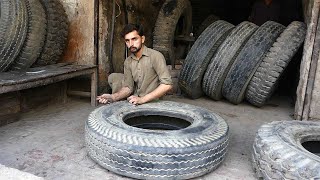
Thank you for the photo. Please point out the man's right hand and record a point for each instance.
(105, 99)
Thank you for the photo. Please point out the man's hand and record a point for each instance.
(135, 100)
(105, 99)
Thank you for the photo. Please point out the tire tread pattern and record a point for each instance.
(199, 56)
(248, 61)
(33, 44)
(57, 33)
(147, 154)
(265, 79)
(278, 153)
(166, 23)
(15, 32)
(223, 59)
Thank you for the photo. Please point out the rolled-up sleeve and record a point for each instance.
(159, 64)
(128, 79)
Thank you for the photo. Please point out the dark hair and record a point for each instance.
(132, 27)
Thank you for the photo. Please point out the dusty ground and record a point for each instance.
(49, 142)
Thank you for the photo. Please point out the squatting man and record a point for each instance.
(145, 77)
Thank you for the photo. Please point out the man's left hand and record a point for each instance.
(135, 100)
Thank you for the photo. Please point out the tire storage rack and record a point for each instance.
(240, 62)
(33, 36)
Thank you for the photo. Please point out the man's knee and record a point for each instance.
(115, 81)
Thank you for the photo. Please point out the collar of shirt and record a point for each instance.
(145, 52)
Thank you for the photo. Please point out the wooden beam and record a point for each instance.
(306, 62)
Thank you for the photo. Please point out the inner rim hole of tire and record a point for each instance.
(312, 146)
(155, 122)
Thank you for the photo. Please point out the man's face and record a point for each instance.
(134, 41)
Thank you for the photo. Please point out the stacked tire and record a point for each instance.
(246, 63)
(32, 33)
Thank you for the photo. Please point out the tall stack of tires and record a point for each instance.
(32, 33)
(240, 62)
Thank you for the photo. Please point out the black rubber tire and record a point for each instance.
(156, 154)
(34, 41)
(264, 81)
(57, 33)
(278, 152)
(248, 61)
(13, 30)
(224, 57)
(199, 56)
(166, 27)
(209, 20)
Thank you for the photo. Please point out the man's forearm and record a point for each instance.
(121, 94)
(161, 90)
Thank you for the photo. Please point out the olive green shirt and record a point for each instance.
(144, 75)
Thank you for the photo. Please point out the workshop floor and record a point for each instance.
(49, 142)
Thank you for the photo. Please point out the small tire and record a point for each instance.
(120, 140)
(248, 60)
(199, 56)
(278, 152)
(264, 80)
(221, 62)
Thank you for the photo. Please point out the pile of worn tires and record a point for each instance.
(32, 33)
(240, 62)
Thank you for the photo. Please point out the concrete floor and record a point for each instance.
(49, 142)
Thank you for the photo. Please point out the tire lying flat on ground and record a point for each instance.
(37, 25)
(199, 56)
(13, 30)
(248, 61)
(158, 140)
(265, 79)
(223, 59)
(167, 26)
(279, 153)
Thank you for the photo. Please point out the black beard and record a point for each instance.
(135, 50)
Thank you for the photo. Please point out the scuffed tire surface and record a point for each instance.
(13, 30)
(156, 154)
(57, 33)
(209, 20)
(265, 79)
(248, 61)
(199, 56)
(221, 62)
(278, 152)
(166, 25)
(33, 44)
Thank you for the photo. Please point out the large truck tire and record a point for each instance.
(174, 19)
(224, 57)
(264, 81)
(57, 33)
(248, 60)
(199, 56)
(157, 140)
(13, 30)
(287, 150)
(37, 25)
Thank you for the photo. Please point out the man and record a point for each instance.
(145, 73)
(265, 10)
